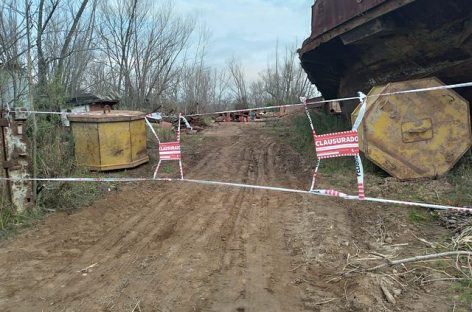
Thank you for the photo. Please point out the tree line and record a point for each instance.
(142, 51)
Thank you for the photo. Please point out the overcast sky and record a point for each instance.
(250, 29)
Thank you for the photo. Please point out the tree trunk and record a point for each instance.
(67, 41)
(34, 170)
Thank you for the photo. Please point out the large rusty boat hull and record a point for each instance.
(358, 44)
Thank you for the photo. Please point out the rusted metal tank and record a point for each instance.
(358, 44)
(415, 135)
(109, 140)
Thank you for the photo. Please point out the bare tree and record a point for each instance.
(60, 33)
(220, 98)
(195, 81)
(13, 31)
(29, 62)
(141, 44)
(199, 87)
(45, 14)
(258, 95)
(238, 83)
(73, 66)
(65, 50)
(284, 81)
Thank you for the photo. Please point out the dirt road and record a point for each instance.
(184, 247)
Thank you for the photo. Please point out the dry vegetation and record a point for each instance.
(446, 258)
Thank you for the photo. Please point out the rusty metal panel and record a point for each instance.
(115, 144)
(328, 14)
(109, 141)
(87, 149)
(137, 130)
(415, 135)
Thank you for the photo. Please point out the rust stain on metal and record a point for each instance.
(332, 18)
(385, 148)
(415, 135)
(356, 45)
(328, 14)
(418, 130)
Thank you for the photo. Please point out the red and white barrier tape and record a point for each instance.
(168, 150)
(152, 130)
(339, 144)
(446, 87)
(327, 193)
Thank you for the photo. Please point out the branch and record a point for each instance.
(53, 9)
(421, 258)
(68, 38)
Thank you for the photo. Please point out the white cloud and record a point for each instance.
(250, 29)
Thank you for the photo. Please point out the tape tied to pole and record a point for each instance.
(338, 144)
(169, 150)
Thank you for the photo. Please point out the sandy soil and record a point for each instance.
(183, 247)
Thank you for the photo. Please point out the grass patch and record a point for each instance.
(463, 291)
(72, 195)
(167, 169)
(55, 158)
(461, 179)
(422, 216)
(10, 221)
(296, 131)
(164, 134)
(207, 120)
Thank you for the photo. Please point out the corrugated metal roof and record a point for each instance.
(90, 98)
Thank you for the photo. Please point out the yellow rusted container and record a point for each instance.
(109, 140)
(415, 135)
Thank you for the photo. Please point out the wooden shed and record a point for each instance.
(89, 102)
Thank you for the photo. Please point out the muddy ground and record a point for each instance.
(184, 247)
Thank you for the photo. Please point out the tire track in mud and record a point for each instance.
(167, 245)
(52, 238)
(109, 246)
(185, 241)
(217, 243)
(248, 280)
(174, 247)
(229, 236)
(153, 233)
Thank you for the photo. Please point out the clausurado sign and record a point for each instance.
(336, 144)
